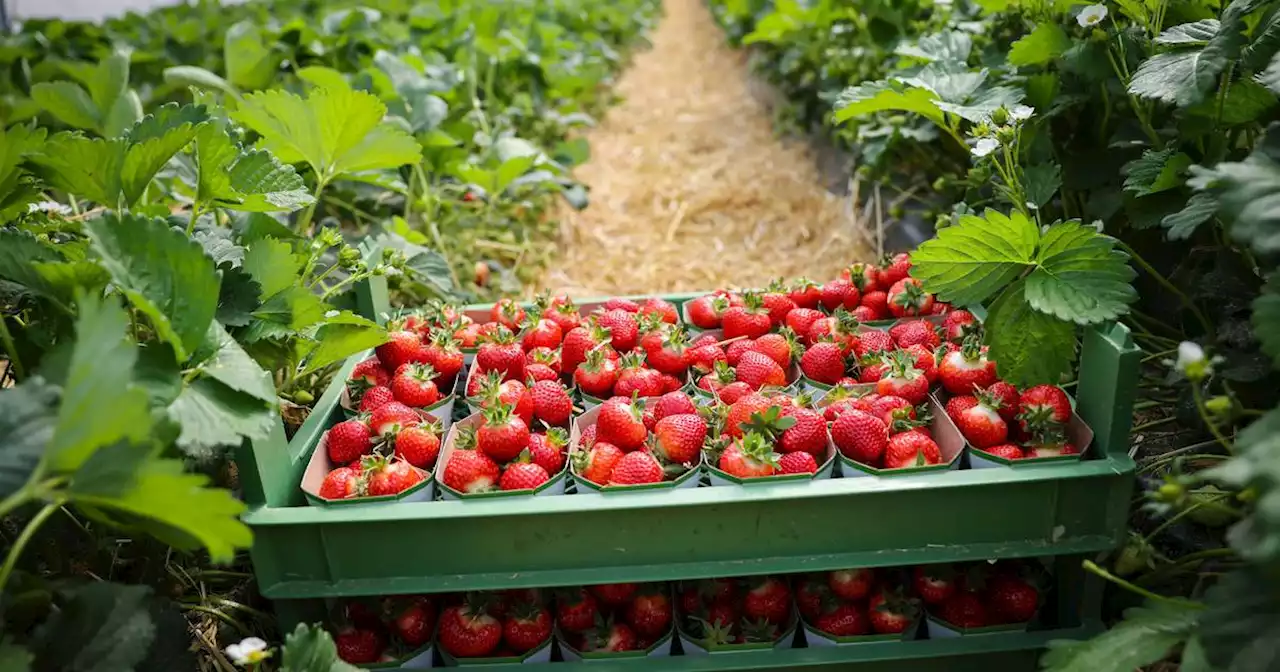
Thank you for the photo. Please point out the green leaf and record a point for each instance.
(1155, 171)
(101, 368)
(163, 273)
(166, 495)
(214, 416)
(230, 177)
(87, 167)
(1080, 276)
(190, 75)
(335, 131)
(153, 141)
(1047, 42)
(1182, 224)
(340, 337)
(16, 144)
(984, 103)
(322, 77)
(100, 626)
(251, 62)
(1266, 317)
(968, 263)
(124, 113)
(422, 264)
(68, 103)
(222, 359)
(1194, 34)
(1246, 102)
(1266, 42)
(21, 257)
(110, 80)
(1240, 629)
(28, 414)
(1042, 181)
(1270, 77)
(1146, 635)
(1180, 78)
(273, 265)
(14, 657)
(866, 99)
(951, 82)
(310, 648)
(949, 45)
(111, 470)
(1248, 193)
(1028, 346)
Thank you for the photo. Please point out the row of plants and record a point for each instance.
(1028, 127)
(189, 200)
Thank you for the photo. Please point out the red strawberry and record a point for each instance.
(670, 353)
(894, 268)
(846, 620)
(650, 613)
(502, 434)
(751, 456)
(536, 372)
(779, 347)
(956, 406)
(577, 343)
(778, 305)
(624, 332)
(508, 313)
(359, 645)
(523, 476)
(935, 583)
(615, 637)
(597, 464)
(419, 445)
(768, 600)
(909, 449)
(401, 348)
(389, 476)
(597, 375)
(836, 292)
(864, 276)
(375, 397)
(341, 483)
(348, 440)
(964, 610)
(801, 320)
(526, 627)
(547, 450)
(635, 468)
(501, 353)
(1009, 599)
(469, 632)
(903, 380)
(890, 613)
(389, 418)
(734, 351)
(370, 373)
(874, 341)
(1051, 444)
(807, 435)
(703, 358)
(551, 402)
(706, 312)
(564, 313)
(614, 594)
(621, 423)
(660, 307)
(1006, 450)
(750, 319)
(470, 471)
(852, 584)
(469, 335)
(541, 334)
(576, 610)
(962, 370)
(758, 370)
(924, 359)
(878, 303)
(892, 409)
(907, 299)
(823, 363)
(741, 411)
(679, 437)
(915, 332)
(981, 424)
(805, 294)
(1008, 397)
(797, 463)
(414, 385)
(623, 304)
(671, 383)
(734, 391)
(811, 596)
(416, 622)
(1043, 407)
(959, 325)
(673, 403)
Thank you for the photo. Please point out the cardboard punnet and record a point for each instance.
(319, 466)
(697, 647)
(441, 411)
(818, 639)
(538, 654)
(1078, 433)
(555, 486)
(945, 433)
(825, 469)
(704, 397)
(662, 648)
(689, 479)
(420, 659)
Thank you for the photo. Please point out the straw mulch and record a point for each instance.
(690, 187)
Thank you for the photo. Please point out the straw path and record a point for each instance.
(690, 187)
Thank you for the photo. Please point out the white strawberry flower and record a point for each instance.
(250, 651)
(985, 146)
(1091, 16)
(53, 207)
(1021, 112)
(1192, 362)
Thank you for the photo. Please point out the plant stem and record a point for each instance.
(1090, 566)
(27, 533)
(1204, 416)
(1154, 423)
(191, 222)
(1164, 282)
(11, 351)
(304, 222)
(324, 274)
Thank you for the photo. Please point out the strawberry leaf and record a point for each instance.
(27, 419)
(99, 626)
(254, 180)
(969, 262)
(1042, 45)
(251, 62)
(1080, 276)
(1146, 635)
(311, 648)
(1247, 193)
(871, 97)
(214, 416)
(1028, 346)
(340, 337)
(1266, 317)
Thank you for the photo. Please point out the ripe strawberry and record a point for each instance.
(370, 373)
(894, 268)
(468, 335)
(564, 313)
(500, 352)
(526, 627)
(389, 418)
(510, 393)
(342, 483)
(389, 476)
(869, 342)
(778, 306)
(502, 434)
(508, 313)
(935, 583)
(1043, 407)
(823, 363)
(348, 440)
(445, 356)
(956, 406)
(751, 456)
(1050, 444)
(805, 293)
(536, 372)
(419, 445)
(909, 449)
(890, 613)
(673, 403)
(750, 319)
(741, 411)
(401, 348)
(359, 645)
(959, 325)
(1008, 396)
(964, 610)
(470, 471)
(597, 464)
(863, 275)
(734, 351)
(551, 402)
(414, 385)
(661, 307)
(635, 468)
(734, 391)
(703, 358)
(903, 380)
(541, 334)
(1006, 450)
(623, 304)
(877, 302)
(523, 476)
(1010, 599)
(836, 292)
(467, 631)
(679, 437)
(768, 600)
(613, 637)
(915, 332)
(780, 347)
(894, 411)
(671, 383)
(797, 463)
(758, 370)
(375, 397)
(963, 370)
(547, 450)
(621, 423)
(416, 622)
(624, 332)
(846, 620)
(578, 342)
(597, 375)
(907, 299)
(576, 610)
(706, 312)
(649, 613)
(807, 435)
(614, 594)
(670, 355)
(801, 320)
(851, 584)
(981, 423)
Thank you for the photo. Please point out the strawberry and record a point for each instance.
(741, 411)
(877, 302)
(981, 423)
(419, 445)
(469, 470)
(1043, 407)
(578, 342)
(768, 600)
(414, 385)
(348, 440)
(468, 335)
(797, 463)
(342, 483)
(415, 623)
(1050, 444)
(621, 423)
(635, 468)
(801, 320)
(670, 354)
(958, 325)
(778, 306)
(1010, 599)
(660, 307)
(500, 352)
(750, 319)
(526, 627)
(1008, 396)
(538, 372)
(924, 359)
(703, 358)
(835, 293)
(846, 620)
(673, 403)
(445, 356)
(910, 449)
(467, 631)
(956, 406)
(389, 476)
(1006, 450)
(779, 347)
(734, 391)
(614, 594)
(370, 373)
(564, 313)
(963, 370)
(805, 293)
(502, 434)
(597, 464)
(512, 393)
(758, 370)
(597, 375)
(547, 357)
(375, 397)
(964, 610)
(907, 299)
(547, 450)
(649, 613)
(624, 332)
(851, 584)
(870, 342)
(613, 637)
(891, 613)
(823, 363)
(734, 351)
(359, 645)
(679, 437)
(807, 435)
(894, 268)
(576, 610)
(551, 402)
(891, 410)
(389, 418)
(671, 383)
(401, 348)
(934, 583)
(751, 456)
(508, 313)
(543, 333)
(915, 332)
(903, 380)
(706, 312)
(862, 275)
(812, 597)
(523, 476)
(623, 304)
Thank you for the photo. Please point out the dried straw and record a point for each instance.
(690, 187)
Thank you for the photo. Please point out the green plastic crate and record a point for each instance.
(302, 554)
